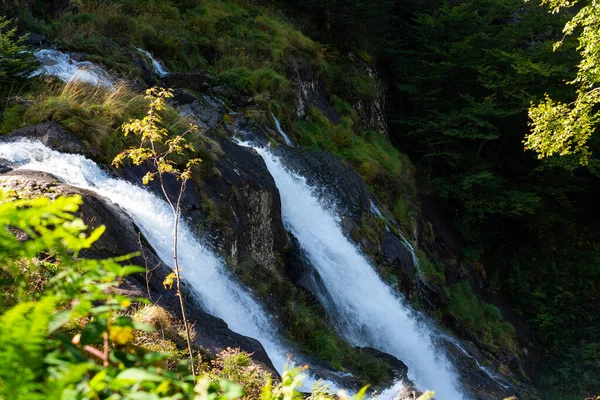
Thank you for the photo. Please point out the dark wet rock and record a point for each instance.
(371, 111)
(35, 39)
(481, 376)
(228, 93)
(396, 255)
(121, 237)
(310, 92)
(196, 81)
(4, 166)
(398, 367)
(205, 110)
(246, 190)
(331, 178)
(144, 66)
(182, 97)
(52, 135)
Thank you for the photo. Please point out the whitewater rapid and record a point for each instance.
(205, 273)
(366, 311)
(62, 65)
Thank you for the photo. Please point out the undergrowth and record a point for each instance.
(481, 318)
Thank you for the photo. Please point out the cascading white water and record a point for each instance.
(205, 273)
(366, 311)
(282, 132)
(158, 68)
(62, 65)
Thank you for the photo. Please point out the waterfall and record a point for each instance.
(204, 272)
(365, 310)
(282, 132)
(62, 65)
(158, 68)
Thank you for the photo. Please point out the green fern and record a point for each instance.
(23, 344)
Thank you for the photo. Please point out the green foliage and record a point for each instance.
(23, 332)
(480, 318)
(15, 57)
(152, 136)
(465, 75)
(382, 166)
(93, 113)
(431, 270)
(560, 128)
(247, 46)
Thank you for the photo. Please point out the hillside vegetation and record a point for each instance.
(460, 78)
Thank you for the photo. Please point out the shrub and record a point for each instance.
(15, 62)
(237, 366)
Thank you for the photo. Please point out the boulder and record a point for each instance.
(399, 369)
(52, 135)
(35, 39)
(204, 110)
(196, 81)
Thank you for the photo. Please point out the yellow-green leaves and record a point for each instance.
(156, 144)
(562, 129)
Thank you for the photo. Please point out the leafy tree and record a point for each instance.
(560, 128)
(15, 58)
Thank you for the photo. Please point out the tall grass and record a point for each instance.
(96, 114)
(92, 112)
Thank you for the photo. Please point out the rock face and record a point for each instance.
(246, 186)
(52, 135)
(196, 81)
(371, 112)
(310, 92)
(205, 110)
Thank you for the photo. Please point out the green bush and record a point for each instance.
(15, 62)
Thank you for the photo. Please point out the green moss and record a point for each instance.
(432, 271)
(12, 118)
(483, 319)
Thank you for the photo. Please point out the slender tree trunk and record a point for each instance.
(175, 208)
